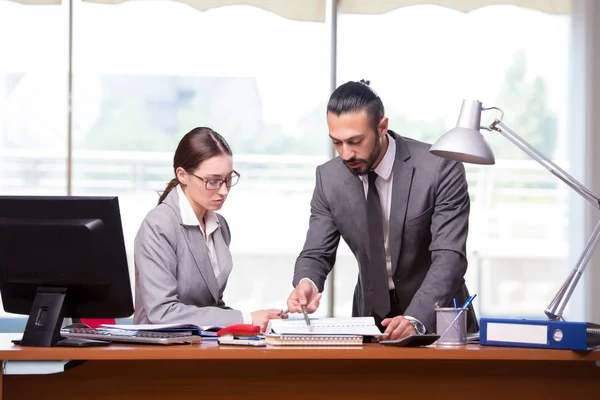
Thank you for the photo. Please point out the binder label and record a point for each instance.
(517, 333)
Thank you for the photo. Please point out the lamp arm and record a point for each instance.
(546, 163)
(557, 306)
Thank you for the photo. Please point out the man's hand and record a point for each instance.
(262, 317)
(305, 294)
(398, 327)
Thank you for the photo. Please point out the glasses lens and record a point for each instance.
(233, 179)
(213, 184)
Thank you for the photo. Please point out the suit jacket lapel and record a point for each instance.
(403, 174)
(224, 257)
(197, 246)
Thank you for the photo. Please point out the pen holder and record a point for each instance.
(451, 326)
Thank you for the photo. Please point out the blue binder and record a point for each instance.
(544, 334)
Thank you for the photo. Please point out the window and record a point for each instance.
(33, 102)
(261, 80)
(423, 61)
(257, 78)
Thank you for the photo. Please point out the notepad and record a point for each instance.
(355, 326)
(314, 340)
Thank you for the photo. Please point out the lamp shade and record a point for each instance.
(465, 143)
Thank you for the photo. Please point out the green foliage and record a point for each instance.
(124, 127)
(426, 131)
(149, 113)
(524, 103)
(146, 113)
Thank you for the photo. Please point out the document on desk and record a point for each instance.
(363, 326)
(210, 330)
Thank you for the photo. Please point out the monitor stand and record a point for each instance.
(46, 318)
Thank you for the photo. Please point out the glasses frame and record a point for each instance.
(222, 181)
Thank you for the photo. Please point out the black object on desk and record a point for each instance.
(62, 257)
(411, 341)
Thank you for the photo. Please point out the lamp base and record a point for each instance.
(545, 334)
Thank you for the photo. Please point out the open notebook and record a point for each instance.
(323, 331)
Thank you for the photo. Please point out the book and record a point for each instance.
(357, 326)
(322, 331)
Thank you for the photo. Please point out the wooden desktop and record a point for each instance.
(369, 372)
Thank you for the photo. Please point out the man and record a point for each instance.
(407, 230)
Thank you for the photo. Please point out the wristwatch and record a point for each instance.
(418, 325)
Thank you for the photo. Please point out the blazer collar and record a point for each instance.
(189, 218)
(403, 174)
(386, 165)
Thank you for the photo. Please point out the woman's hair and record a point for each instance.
(196, 146)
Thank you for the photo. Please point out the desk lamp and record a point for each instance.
(465, 143)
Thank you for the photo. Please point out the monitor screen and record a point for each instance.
(62, 256)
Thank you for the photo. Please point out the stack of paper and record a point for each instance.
(322, 331)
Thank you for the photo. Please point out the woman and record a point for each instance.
(181, 251)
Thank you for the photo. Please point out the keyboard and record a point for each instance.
(131, 336)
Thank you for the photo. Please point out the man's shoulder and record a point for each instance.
(332, 167)
(418, 149)
(421, 157)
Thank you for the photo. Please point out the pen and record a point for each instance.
(306, 316)
(469, 300)
(456, 307)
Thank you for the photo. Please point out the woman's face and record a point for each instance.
(205, 187)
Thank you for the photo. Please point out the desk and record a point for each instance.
(369, 372)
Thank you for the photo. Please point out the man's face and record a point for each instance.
(352, 135)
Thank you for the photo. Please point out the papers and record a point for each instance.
(209, 330)
(363, 326)
(322, 331)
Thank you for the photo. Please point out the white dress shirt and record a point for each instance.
(384, 181)
(211, 222)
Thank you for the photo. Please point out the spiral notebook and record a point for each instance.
(314, 340)
(322, 332)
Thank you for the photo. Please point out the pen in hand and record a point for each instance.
(306, 317)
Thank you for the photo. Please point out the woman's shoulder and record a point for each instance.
(161, 218)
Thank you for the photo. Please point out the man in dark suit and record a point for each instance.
(402, 211)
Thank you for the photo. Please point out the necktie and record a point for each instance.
(377, 268)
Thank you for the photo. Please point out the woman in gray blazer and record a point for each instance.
(181, 251)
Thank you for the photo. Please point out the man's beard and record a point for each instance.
(365, 165)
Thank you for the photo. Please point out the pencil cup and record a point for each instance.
(451, 326)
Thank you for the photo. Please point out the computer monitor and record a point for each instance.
(62, 257)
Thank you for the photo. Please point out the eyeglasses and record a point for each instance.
(215, 183)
